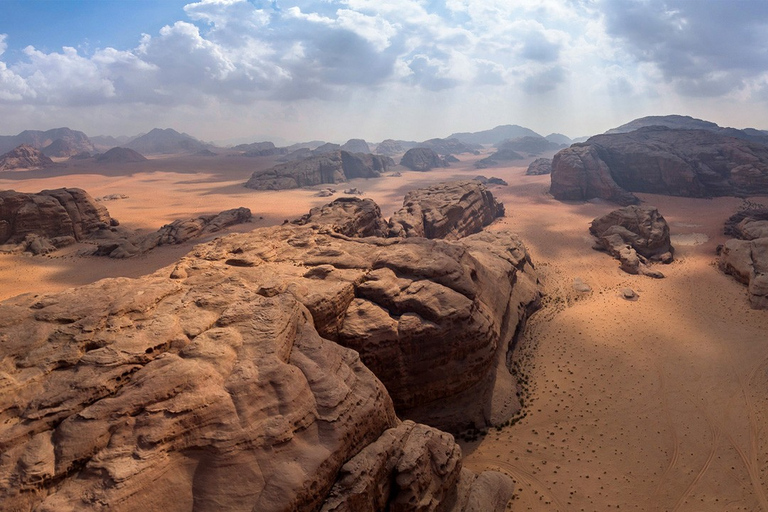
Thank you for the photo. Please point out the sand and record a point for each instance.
(653, 404)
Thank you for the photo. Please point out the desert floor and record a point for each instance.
(652, 404)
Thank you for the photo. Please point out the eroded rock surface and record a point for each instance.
(119, 243)
(41, 222)
(746, 256)
(333, 167)
(447, 210)
(422, 159)
(659, 160)
(636, 236)
(349, 216)
(539, 167)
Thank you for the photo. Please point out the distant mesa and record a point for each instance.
(677, 122)
(745, 257)
(531, 145)
(539, 167)
(391, 147)
(120, 156)
(450, 146)
(498, 158)
(40, 223)
(327, 168)
(165, 142)
(495, 135)
(24, 158)
(64, 141)
(636, 236)
(422, 159)
(659, 160)
(356, 146)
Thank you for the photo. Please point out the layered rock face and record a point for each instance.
(746, 256)
(658, 160)
(349, 216)
(212, 384)
(24, 157)
(117, 243)
(334, 167)
(49, 219)
(448, 210)
(636, 236)
(539, 167)
(422, 159)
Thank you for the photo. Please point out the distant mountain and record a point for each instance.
(678, 122)
(494, 135)
(559, 138)
(166, 142)
(120, 156)
(356, 146)
(530, 145)
(73, 140)
(24, 157)
(107, 141)
(450, 146)
(390, 147)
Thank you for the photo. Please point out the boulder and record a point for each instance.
(447, 210)
(24, 157)
(659, 160)
(539, 167)
(636, 236)
(349, 216)
(422, 159)
(61, 216)
(328, 168)
(746, 256)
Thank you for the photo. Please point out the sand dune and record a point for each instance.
(653, 404)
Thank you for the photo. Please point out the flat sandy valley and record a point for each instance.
(652, 404)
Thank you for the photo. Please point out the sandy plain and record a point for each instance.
(654, 404)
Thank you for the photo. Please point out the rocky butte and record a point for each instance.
(659, 160)
(266, 371)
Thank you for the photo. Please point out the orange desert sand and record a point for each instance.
(652, 404)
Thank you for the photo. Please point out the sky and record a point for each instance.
(247, 70)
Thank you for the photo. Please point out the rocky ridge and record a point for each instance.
(636, 236)
(659, 160)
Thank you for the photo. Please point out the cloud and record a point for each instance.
(703, 48)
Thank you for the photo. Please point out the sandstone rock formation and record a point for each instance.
(390, 147)
(126, 244)
(495, 135)
(329, 168)
(120, 155)
(356, 146)
(636, 236)
(24, 157)
(658, 160)
(746, 256)
(422, 159)
(349, 216)
(678, 122)
(529, 144)
(212, 384)
(450, 146)
(539, 167)
(166, 142)
(41, 222)
(497, 158)
(75, 141)
(448, 210)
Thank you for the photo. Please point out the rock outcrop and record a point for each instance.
(636, 236)
(120, 155)
(212, 384)
(658, 160)
(118, 243)
(746, 256)
(356, 146)
(422, 159)
(498, 158)
(24, 157)
(349, 216)
(539, 167)
(41, 222)
(447, 210)
(334, 167)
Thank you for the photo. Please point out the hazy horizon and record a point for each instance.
(340, 69)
